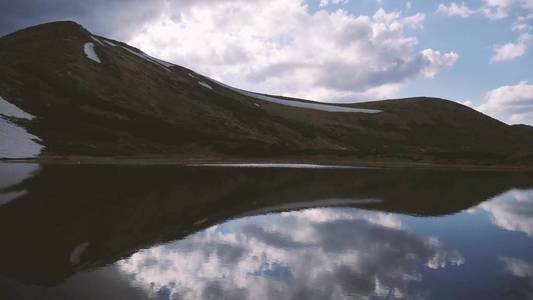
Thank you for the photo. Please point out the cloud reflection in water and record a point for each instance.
(512, 210)
(326, 253)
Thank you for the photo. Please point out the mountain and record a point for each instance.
(86, 95)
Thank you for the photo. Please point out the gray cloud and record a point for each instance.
(115, 18)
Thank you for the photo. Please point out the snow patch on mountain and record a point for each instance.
(88, 48)
(308, 105)
(301, 104)
(159, 61)
(9, 110)
(16, 141)
(97, 40)
(205, 85)
(148, 58)
(110, 43)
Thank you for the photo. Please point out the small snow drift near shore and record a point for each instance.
(88, 48)
(16, 142)
(9, 110)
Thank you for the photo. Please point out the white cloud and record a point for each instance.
(511, 51)
(324, 3)
(511, 104)
(494, 13)
(454, 9)
(522, 23)
(370, 255)
(437, 61)
(491, 9)
(280, 47)
(499, 3)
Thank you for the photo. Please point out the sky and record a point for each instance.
(477, 52)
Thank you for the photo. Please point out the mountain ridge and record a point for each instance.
(131, 104)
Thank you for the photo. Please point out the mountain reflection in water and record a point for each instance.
(164, 232)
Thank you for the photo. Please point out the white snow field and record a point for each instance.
(205, 85)
(165, 65)
(15, 141)
(88, 48)
(9, 110)
(301, 104)
(314, 106)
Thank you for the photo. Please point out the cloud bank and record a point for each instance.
(512, 104)
(280, 47)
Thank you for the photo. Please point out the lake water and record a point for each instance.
(164, 232)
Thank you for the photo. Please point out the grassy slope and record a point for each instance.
(129, 106)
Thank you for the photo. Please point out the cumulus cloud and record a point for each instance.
(327, 254)
(496, 10)
(511, 103)
(454, 9)
(521, 23)
(511, 51)
(324, 3)
(512, 211)
(491, 9)
(281, 47)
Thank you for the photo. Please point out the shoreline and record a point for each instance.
(220, 161)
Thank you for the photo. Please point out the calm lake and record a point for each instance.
(225, 232)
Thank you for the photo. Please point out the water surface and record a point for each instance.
(162, 232)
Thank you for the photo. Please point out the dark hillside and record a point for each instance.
(131, 104)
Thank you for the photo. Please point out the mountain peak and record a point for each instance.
(56, 29)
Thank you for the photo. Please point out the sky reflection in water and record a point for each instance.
(323, 253)
(364, 251)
